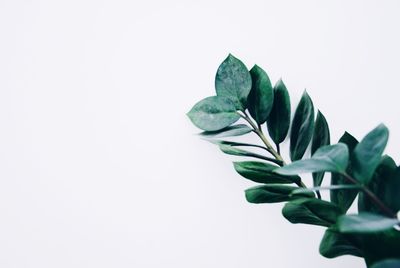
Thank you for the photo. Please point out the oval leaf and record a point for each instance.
(213, 113)
(334, 244)
(272, 193)
(368, 152)
(311, 211)
(385, 184)
(333, 158)
(302, 127)
(228, 149)
(365, 223)
(262, 172)
(261, 96)
(344, 198)
(389, 263)
(321, 137)
(330, 188)
(236, 130)
(233, 143)
(233, 81)
(278, 120)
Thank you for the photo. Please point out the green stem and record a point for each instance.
(260, 134)
(269, 148)
(372, 196)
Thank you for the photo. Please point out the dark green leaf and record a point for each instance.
(233, 143)
(233, 81)
(344, 198)
(230, 131)
(272, 193)
(262, 172)
(365, 223)
(321, 137)
(385, 184)
(311, 211)
(228, 149)
(302, 127)
(278, 120)
(333, 158)
(334, 244)
(389, 263)
(261, 96)
(381, 245)
(331, 188)
(213, 113)
(368, 152)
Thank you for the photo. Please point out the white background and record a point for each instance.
(100, 167)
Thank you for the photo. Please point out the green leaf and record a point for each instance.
(213, 113)
(261, 96)
(311, 211)
(333, 158)
(278, 120)
(233, 81)
(233, 143)
(334, 244)
(385, 184)
(236, 130)
(302, 127)
(364, 223)
(272, 193)
(330, 188)
(321, 137)
(389, 263)
(380, 245)
(344, 198)
(262, 172)
(228, 149)
(368, 152)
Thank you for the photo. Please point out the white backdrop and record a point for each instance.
(99, 166)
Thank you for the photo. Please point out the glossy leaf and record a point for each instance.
(234, 143)
(334, 244)
(333, 158)
(278, 121)
(272, 193)
(213, 113)
(321, 137)
(389, 263)
(330, 188)
(385, 184)
(233, 81)
(261, 96)
(236, 130)
(311, 211)
(368, 152)
(231, 150)
(380, 245)
(364, 223)
(344, 198)
(262, 172)
(302, 128)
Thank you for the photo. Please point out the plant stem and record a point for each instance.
(270, 149)
(372, 196)
(260, 134)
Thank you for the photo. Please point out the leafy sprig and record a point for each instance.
(356, 168)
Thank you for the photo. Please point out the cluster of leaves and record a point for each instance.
(356, 168)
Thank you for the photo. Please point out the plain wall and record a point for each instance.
(99, 165)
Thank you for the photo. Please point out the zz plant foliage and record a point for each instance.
(357, 168)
